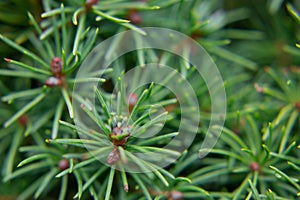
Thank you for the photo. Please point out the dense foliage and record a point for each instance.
(44, 155)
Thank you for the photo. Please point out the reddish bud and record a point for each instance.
(258, 88)
(7, 59)
(126, 188)
(120, 135)
(254, 167)
(23, 120)
(90, 3)
(63, 164)
(297, 105)
(56, 66)
(131, 100)
(175, 195)
(117, 131)
(135, 17)
(113, 156)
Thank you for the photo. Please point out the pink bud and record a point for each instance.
(23, 120)
(135, 17)
(113, 156)
(63, 164)
(254, 167)
(53, 81)
(126, 188)
(56, 66)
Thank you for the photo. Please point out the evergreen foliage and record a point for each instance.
(255, 45)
